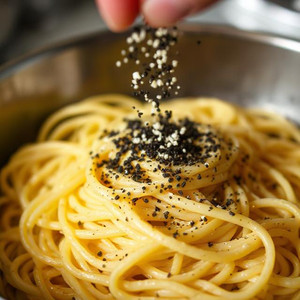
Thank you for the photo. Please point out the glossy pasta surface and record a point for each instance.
(73, 226)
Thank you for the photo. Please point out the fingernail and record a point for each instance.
(165, 12)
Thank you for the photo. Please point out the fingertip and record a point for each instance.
(165, 12)
(118, 14)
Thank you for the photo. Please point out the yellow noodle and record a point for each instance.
(62, 237)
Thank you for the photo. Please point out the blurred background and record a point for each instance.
(26, 25)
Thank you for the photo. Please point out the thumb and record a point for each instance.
(167, 12)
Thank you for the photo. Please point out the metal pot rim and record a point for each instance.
(224, 30)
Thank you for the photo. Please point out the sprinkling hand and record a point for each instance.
(120, 14)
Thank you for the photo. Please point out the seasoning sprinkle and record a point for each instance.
(152, 46)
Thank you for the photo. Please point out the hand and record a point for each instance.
(120, 14)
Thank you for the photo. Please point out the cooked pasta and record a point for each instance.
(98, 209)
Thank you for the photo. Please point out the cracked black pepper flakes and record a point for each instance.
(167, 145)
(175, 234)
(151, 46)
(167, 142)
(166, 214)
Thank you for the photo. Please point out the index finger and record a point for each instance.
(118, 14)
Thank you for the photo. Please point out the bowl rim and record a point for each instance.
(279, 41)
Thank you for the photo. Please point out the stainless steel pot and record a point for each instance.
(249, 69)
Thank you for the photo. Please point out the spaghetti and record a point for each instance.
(107, 206)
